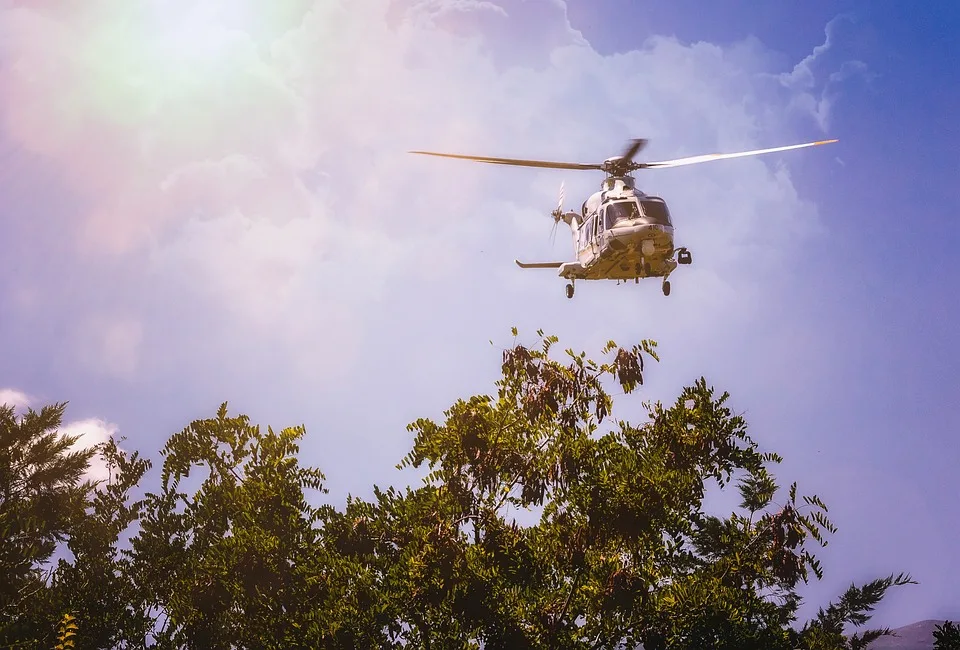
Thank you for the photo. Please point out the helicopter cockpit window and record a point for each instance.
(656, 212)
(620, 211)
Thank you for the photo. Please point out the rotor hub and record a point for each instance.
(616, 166)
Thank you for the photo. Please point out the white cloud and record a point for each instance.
(91, 432)
(256, 217)
(444, 7)
(110, 343)
(802, 82)
(15, 398)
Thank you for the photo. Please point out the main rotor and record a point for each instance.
(624, 164)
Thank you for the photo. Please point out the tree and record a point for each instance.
(42, 496)
(946, 637)
(237, 563)
(544, 521)
(96, 585)
(622, 552)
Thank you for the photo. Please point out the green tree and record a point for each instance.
(946, 637)
(544, 521)
(622, 551)
(42, 496)
(96, 584)
(236, 563)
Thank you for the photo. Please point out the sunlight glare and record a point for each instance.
(200, 32)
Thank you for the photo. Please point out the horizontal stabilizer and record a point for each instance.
(539, 265)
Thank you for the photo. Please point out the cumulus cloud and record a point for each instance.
(245, 206)
(814, 90)
(14, 398)
(110, 343)
(495, 24)
(91, 432)
(447, 7)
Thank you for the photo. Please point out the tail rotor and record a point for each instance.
(557, 215)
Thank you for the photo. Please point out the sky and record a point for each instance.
(211, 201)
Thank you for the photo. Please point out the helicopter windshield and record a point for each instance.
(620, 211)
(656, 212)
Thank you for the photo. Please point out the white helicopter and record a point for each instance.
(620, 233)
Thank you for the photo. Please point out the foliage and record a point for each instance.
(66, 633)
(543, 522)
(827, 629)
(42, 495)
(946, 636)
(623, 552)
(97, 585)
(237, 563)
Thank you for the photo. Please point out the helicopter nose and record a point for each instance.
(617, 245)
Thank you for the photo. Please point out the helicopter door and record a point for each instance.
(591, 237)
(597, 230)
(586, 237)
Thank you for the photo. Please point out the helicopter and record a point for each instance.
(620, 233)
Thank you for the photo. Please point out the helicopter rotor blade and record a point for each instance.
(633, 149)
(692, 160)
(517, 162)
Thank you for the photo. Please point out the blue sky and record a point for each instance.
(209, 206)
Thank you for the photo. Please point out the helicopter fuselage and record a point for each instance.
(626, 251)
(621, 234)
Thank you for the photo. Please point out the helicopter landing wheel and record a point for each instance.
(570, 290)
(666, 287)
